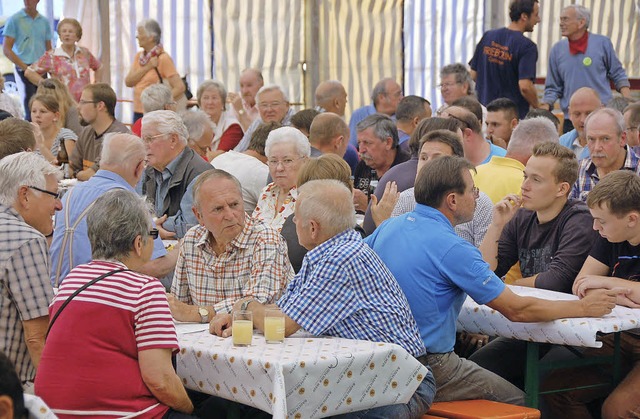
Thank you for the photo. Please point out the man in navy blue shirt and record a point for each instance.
(504, 62)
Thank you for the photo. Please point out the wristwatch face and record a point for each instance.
(204, 313)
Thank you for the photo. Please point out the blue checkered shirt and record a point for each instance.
(25, 290)
(588, 174)
(343, 289)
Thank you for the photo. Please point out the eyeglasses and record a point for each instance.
(447, 85)
(55, 195)
(286, 163)
(149, 138)
(266, 105)
(154, 233)
(465, 123)
(84, 102)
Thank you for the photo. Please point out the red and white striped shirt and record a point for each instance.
(90, 361)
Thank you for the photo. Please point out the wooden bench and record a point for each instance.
(480, 409)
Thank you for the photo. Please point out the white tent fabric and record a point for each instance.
(355, 41)
(438, 33)
(267, 35)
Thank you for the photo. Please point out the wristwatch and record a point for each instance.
(245, 304)
(204, 314)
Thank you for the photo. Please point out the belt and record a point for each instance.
(423, 359)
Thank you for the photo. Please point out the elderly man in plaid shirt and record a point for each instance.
(343, 289)
(608, 151)
(227, 257)
(28, 199)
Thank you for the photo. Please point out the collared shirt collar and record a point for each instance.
(630, 163)
(315, 254)
(62, 53)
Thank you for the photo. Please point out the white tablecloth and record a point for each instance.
(304, 377)
(580, 331)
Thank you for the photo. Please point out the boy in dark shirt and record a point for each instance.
(549, 235)
(614, 263)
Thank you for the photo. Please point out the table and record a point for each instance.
(581, 332)
(304, 377)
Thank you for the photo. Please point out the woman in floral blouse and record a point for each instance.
(69, 63)
(287, 149)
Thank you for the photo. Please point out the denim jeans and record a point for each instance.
(417, 406)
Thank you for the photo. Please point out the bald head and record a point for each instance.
(329, 133)
(583, 101)
(124, 155)
(468, 119)
(331, 96)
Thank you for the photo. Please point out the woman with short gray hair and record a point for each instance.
(152, 65)
(212, 99)
(110, 321)
(287, 149)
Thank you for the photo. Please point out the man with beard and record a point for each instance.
(96, 108)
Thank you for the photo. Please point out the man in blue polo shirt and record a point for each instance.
(437, 269)
(27, 35)
(122, 165)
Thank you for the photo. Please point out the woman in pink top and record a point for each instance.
(69, 63)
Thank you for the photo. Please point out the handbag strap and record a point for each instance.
(158, 72)
(76, 292)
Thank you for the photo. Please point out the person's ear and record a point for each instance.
(6, 407)
(138, 244)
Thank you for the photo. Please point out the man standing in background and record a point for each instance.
(27, 35)
(504, 63)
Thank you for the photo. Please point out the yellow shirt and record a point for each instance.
(498, 178)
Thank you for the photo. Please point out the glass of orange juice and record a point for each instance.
(273, 325)
(242, 328)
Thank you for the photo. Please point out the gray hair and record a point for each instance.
(380, 89)
(113, 223)
(167, 122)
(208, 175)
(152, 28)
(195, 121)
(288, 135)
(213, 84)
(155, 97)
(383, 127)
(328, 202)
(530, 132)
(121, 149)
(271, 88)
(24, 169)
(461, 73)
(616, 115)
(581, 13)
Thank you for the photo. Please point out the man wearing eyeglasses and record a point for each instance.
(273, 106)
(632, 126)
(28, 200)
(122, 165)
(96, 108)
(172, 167)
